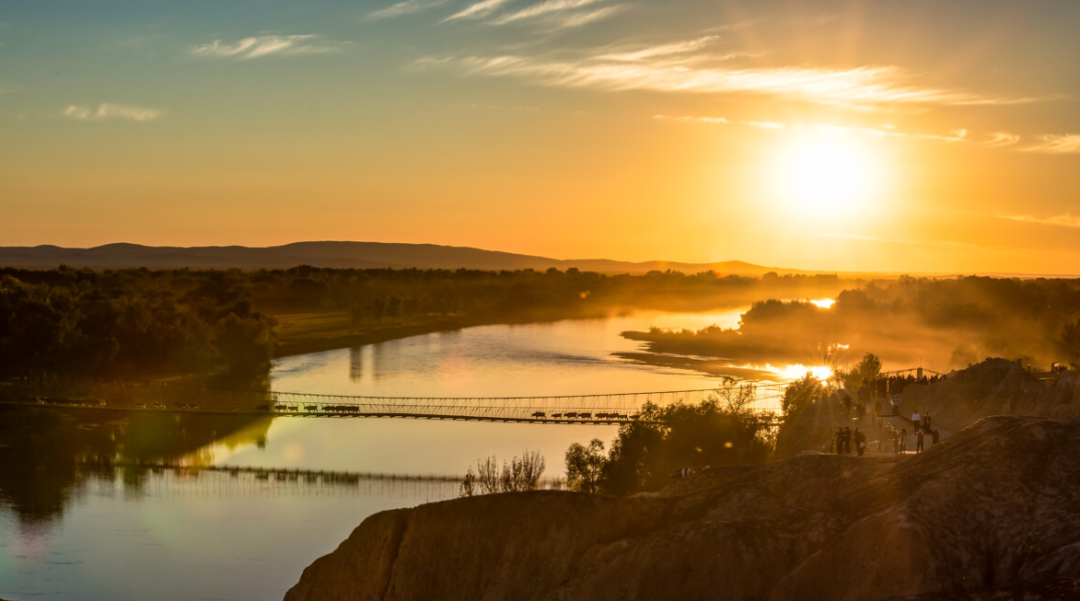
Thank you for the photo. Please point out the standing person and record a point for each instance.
(877, 409)
(839, 441)
(926, 423)
(860, 442)
(919, 441)
(915, 420)
(903, 440)
(935, 437)
(896, 405)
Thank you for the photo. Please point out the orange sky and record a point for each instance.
(895, 136)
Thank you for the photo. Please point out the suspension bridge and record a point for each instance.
(615, 408)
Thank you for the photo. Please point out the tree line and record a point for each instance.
(143, 322)
(941, 323)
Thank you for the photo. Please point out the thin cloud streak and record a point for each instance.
(106, 111)
(267, 45)
(957, 135)
(584, 18)
(637, 53)
(1053, 144)
(543, 8)
(689, 119)
(1001, 139)
(477, 10)
(676, 68)
(1066, 220)
(407, 7)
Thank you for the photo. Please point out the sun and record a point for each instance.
(825, 175)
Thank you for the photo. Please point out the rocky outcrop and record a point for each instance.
(993, 510)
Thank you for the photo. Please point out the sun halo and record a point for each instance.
(826, 176)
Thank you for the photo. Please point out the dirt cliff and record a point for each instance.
(993, 510)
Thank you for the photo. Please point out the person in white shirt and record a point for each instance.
(916, 419)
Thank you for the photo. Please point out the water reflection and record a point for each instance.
(41, 449)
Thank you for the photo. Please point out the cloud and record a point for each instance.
(577, 19)
(1001, 139)
(956, 135)
(681, 67)
(1066, 220)
(638, 52)
(407, 7)
(764, 124)
(109, 110)
(689, 119)
(267, 45)
(1052, 144)
(543, 8)
(477, 10)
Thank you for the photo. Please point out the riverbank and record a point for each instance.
(991, 510)
(712, 367)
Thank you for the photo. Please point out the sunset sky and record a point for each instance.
(871, 135)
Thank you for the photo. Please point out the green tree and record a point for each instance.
(801, 394)
(584, 466)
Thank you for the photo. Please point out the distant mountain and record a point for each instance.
(363, 255)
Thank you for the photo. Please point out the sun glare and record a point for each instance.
(825, 175)
(823, 303)
(794, 372)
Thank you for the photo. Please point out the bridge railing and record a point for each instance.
(759, 397)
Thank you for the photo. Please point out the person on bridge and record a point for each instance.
(916, 420)
(935, 436)
(847, 440)
(926, 423)
(919, 441)
(903, 441)
(860, 442)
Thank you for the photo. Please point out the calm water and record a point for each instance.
(69, 530)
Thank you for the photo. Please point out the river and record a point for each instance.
(69, 529)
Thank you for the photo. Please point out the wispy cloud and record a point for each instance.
(764, 124)
(543, 8)
(577, 19)
(1052, 144)
(478, 10)
(957, 135)
(631, 53)
(1001, 139)
(690, 119)
(685, 67)
(407, 7)
(268, 45)
(109, 110)
(1066, 220)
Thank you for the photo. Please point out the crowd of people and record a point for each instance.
(846, 437)
(887, 386)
